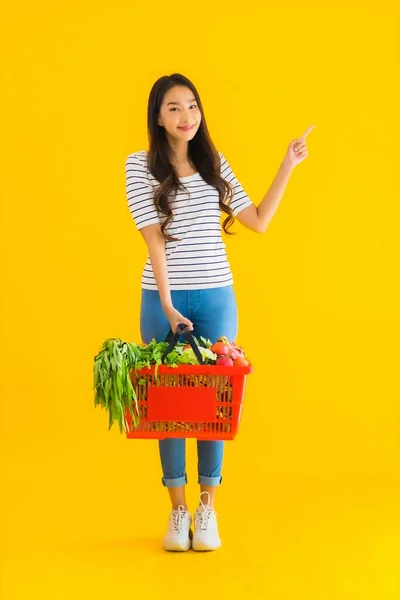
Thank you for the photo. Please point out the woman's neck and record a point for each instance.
(178, 151)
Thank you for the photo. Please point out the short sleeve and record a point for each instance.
(140, 192)
(240, 199)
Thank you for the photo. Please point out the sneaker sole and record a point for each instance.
(201, 547)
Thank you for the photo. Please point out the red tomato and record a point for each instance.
(241, 361)
(220, 349)
(224, 361)
(187, 347)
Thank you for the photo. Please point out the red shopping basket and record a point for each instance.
(188, 401)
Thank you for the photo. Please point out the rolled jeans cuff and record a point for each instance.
(178, 482)
(210, 481)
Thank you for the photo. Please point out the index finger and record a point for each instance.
(307, 131)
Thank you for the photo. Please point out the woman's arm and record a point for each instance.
(258, 217)
(140, 196)
(156, 245)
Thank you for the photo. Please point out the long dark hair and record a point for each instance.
(202, 154)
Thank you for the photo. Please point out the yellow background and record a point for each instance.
(310, 500)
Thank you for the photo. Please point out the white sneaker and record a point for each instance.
(205, 527)
(179, 535)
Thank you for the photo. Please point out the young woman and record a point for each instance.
(177, 192)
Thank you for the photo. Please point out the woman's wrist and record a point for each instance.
(166, 305)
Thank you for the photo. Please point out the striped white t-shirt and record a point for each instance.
(198, 260)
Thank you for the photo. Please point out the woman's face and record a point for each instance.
(179, 109)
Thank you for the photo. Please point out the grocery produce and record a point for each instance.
(229, 354)
(241, 361)
(225, 361)
(121, 383)
(220, 349)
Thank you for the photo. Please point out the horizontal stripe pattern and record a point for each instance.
(198, 260)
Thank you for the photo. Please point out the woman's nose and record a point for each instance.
(185, 117)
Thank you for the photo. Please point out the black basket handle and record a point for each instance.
(173, 339)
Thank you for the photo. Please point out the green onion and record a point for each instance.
(112, 370)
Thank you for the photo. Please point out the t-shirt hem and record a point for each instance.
(188, 286)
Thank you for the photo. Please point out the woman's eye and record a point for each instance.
(176, 108)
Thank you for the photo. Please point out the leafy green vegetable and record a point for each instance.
(112, 373)
(206, 343)
(188, 356)
(112, 383)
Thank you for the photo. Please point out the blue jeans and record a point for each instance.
(213, 313)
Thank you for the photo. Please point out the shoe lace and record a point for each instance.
(178, 515)
(204, 512)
